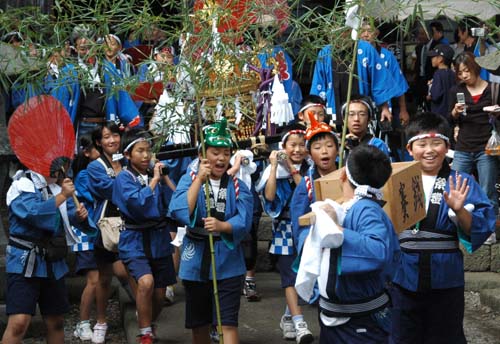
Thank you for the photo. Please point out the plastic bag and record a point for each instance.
(493, 145)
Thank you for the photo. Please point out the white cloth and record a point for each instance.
(453, 216)
(281, 109)
(71, 237)
(323, 234)
(169, 119)
(353, 21)
(281, 173)
(179, 237)
(215, 183)
(245, 171)
(21, 184)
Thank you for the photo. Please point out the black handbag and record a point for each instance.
(56, 248)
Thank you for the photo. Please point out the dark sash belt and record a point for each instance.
(427, 241)
(368, 306)
(201, 234)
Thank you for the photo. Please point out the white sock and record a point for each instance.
(297, 319)
(145, 330)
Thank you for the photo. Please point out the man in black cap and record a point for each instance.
(443, 79)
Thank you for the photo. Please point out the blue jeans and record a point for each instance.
(486, 166)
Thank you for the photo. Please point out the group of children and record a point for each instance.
(372, 288)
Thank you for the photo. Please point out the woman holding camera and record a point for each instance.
(475, 125)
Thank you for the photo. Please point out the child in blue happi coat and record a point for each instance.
(85, 263)
(353, 304)
(428, 293)
(322, 145)
(142, 195)
(278, 182)
(41, 211)
(230, 220)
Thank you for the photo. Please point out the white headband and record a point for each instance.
(307, 106)
(428, 135)
(363, 190)
(115, 37)
(140, 139)
(292, 132)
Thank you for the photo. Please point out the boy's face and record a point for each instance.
(295, 148)
(324, 152)
(110, 141)
(140, 156)
(317, 111)
(82, 47)
(357, 119)
(436, 60)
(219, 161)
(112, 47)
(431, 153)
(165, 57)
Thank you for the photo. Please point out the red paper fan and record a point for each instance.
(42, 135)
(148, 91)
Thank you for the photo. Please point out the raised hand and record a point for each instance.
(458, 193)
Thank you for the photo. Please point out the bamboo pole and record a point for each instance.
(210, 236)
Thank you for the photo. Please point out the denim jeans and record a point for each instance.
(486, 166)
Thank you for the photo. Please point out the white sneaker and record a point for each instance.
(83, 330)
(99, 335)
(169, 294)
(286, 325)
(492, 239)
(304, 336)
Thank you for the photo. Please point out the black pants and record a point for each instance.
(431, 317)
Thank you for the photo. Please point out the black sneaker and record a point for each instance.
(250, 291)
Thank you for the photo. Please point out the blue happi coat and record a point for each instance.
(360, 268)
(373, 79)
(447, 269)
(101, 181)
(33, 216)
(140, 205)
(85, 242)
(282, 241)
(119, 105)
(229, 257)
(392, 65)
(300, 204)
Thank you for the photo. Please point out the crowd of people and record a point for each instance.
(196, 219)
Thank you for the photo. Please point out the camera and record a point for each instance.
(281, 156)
(352, 142)
(478, 31)
(164, 171)
(245, 161)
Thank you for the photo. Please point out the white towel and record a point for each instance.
(323, 234)
(179, 237)
(245, 171)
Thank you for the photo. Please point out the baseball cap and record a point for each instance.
(442, 50)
